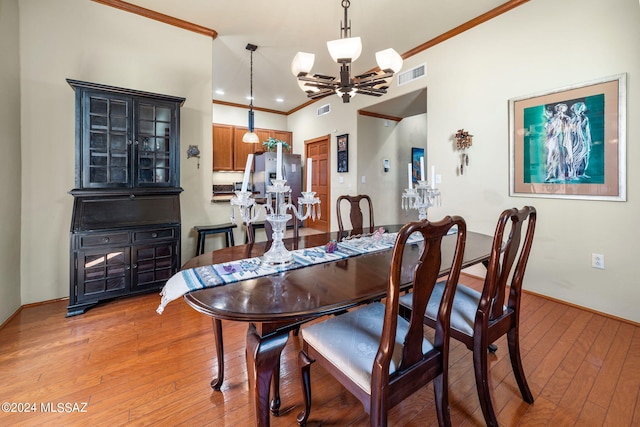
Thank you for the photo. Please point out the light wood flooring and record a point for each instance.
(132, 366)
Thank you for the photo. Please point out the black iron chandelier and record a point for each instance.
(344, 51)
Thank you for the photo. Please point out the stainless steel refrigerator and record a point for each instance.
(265, 170)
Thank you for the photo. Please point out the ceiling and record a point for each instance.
(281, 28)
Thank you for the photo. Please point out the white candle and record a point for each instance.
(433, 176)
(422, 168)
(279, 161)
(309, 173)
(409, 175)
(247, 170)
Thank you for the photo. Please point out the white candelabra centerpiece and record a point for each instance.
(423, 196)
(276, 207)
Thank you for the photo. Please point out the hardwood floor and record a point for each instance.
(131, 366)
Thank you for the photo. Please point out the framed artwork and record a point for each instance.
(416, 153)
(571, 142)
(343, 152)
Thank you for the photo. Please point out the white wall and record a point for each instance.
(305, 125)
(550, 44)
(10, 159)
(88, 41)
(387, 139)
(541, 45)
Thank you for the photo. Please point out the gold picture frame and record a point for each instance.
(570, 142)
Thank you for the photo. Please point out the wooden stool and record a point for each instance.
(204, 230)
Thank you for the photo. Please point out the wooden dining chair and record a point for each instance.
(355, 213)
(268, 230)
(379, 356)
(478, 319)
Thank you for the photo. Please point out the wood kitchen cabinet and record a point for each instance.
(230, 153)
(223, 147)
(241, 149)
(125, 225)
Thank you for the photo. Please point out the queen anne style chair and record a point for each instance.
(355, 213)
(377, 355)
(479, 318)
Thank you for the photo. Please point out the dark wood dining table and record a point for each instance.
(277, 304)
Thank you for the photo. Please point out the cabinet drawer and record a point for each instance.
(153, 235)
(100, 239)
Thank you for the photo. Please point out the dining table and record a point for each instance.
(276, 304)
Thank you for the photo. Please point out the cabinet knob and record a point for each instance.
(132, 196)
(135, 266)
(105, 240)
(154, 235)
(129, 142)
(136, 142)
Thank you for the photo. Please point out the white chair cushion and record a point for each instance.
(463, 312)
(350, 342)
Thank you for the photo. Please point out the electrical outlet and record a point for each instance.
(597, 261)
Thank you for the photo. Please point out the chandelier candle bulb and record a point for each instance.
(409, 175)
(422, 168)
(309, 173)
(433, 176)
(279, 161)
(247, 170)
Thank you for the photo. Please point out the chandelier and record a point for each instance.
(250, 137)
(344, 51)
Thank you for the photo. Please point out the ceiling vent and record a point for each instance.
(412, 74)
(325, 109)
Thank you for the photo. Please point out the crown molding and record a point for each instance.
(157, 16)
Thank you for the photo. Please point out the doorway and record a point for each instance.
(319, 150)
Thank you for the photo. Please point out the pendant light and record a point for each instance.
(251, 137)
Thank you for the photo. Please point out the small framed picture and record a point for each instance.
(416, 154)
(343, 152)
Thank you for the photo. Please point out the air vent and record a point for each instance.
(325, 109)
(412, 74)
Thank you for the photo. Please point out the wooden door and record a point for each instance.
(319, 149)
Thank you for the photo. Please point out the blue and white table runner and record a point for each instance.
(250, 268)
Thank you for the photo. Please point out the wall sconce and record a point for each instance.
(463, 141)
(193, 151)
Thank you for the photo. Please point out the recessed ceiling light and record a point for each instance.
(219, 92)
(279, 100)
(249, 98)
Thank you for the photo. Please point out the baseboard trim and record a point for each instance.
(33, 304)
(590, 310)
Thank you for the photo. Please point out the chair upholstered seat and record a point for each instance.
(478, 319)
(463, 312)
(375, 353)
(351, 342)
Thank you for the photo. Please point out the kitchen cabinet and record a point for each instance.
(125, 225)
(241, 149)
(230, 153)
(223, 148)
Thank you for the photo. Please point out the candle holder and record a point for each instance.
(276, 214)
(421, 198)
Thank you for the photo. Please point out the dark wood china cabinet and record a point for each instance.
(125, 227)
